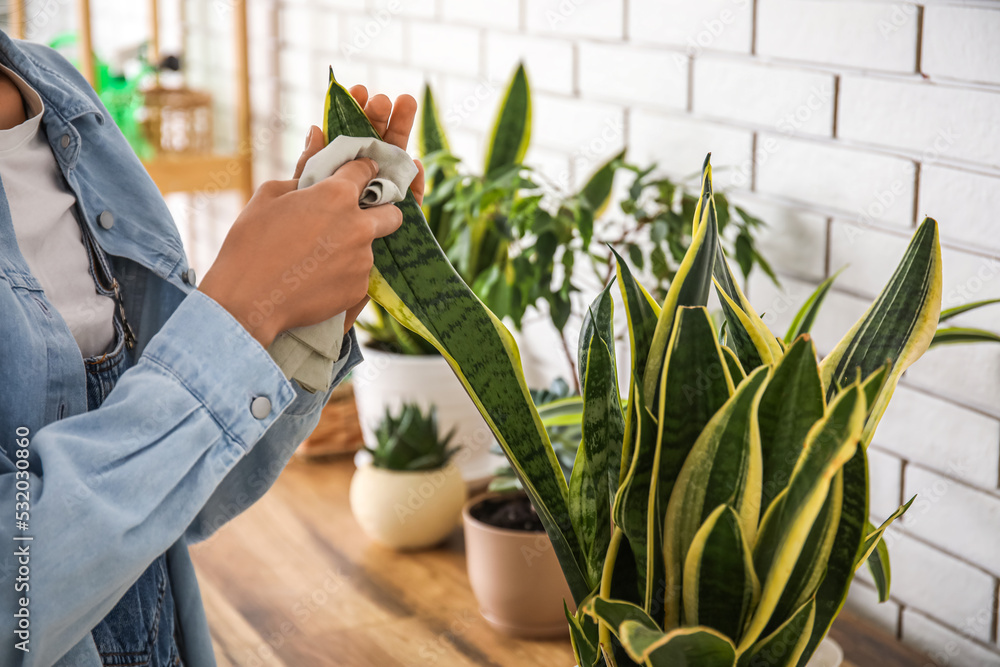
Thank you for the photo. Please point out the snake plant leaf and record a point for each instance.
(683, 647)
(722, 468)
(962, 336)
(878, 565)
(873, 534)
(583, 637)
(787, 644)
(414, 282)
(432, 139)
(594, 479)
(733, 363)
(964, 308)
(597, 321)
(810, 568)
(720, 585)
(690, 285)
(787, 524)
(512, 127)
(616, 612)
(745, 325)
(751, 345)
(840, 566)
(562, 412)
(694, 385)
(791, 404)
(641, 311)
(804, 319)
(899, 325)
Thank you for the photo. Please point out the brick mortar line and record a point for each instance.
(993, 494)
(982, 643)
(843, 216)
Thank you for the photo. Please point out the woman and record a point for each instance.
(140, 413)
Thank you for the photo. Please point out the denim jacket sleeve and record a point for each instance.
(174, 450)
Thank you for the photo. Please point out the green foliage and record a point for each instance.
(794, 561)
(560, 410)
(516, 243)
(410, 441)
(655, 232)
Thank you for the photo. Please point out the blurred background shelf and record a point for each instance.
(191, 166)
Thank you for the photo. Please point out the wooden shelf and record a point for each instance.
(213, 172)
(182, 173)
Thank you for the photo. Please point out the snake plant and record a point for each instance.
(719, 517)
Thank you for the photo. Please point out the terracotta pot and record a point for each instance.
(515, 577)
(407, 510)
(390, 380)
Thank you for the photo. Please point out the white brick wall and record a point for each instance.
(840, 122)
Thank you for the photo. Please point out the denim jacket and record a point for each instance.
(172, 454)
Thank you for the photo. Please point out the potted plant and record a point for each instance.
(720, 516)
(410, 495)
(513, 570)
(514, 238)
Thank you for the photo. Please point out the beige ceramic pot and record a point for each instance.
(407, 510)
(515, 577)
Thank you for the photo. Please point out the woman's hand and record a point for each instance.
(393, 123)
(298, 257)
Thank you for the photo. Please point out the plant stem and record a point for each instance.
(572, 363)
(604, 632)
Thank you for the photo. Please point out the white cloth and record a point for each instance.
(307, 354)
(48, 235)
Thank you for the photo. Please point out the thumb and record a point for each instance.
(314, 144)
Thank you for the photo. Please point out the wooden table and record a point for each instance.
(294, 583)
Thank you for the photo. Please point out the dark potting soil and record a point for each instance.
(514, 513)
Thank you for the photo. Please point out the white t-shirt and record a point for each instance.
(48, 235)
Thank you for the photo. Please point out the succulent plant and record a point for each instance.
(411, 441)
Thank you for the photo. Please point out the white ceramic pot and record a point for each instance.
(390, 380)
(828, 654)
(407, 510)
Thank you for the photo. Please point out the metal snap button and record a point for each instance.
(260, 407)
(189, 277)
(106, 220)
(64, 141)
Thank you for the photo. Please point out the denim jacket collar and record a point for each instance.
(67, 100)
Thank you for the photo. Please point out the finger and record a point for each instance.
(378, 110)
(403, 113)
(418, 184)
(274, 189)
(384, 219)
(352, 314)
(360, 95)
(358, 173)
(314, 144)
